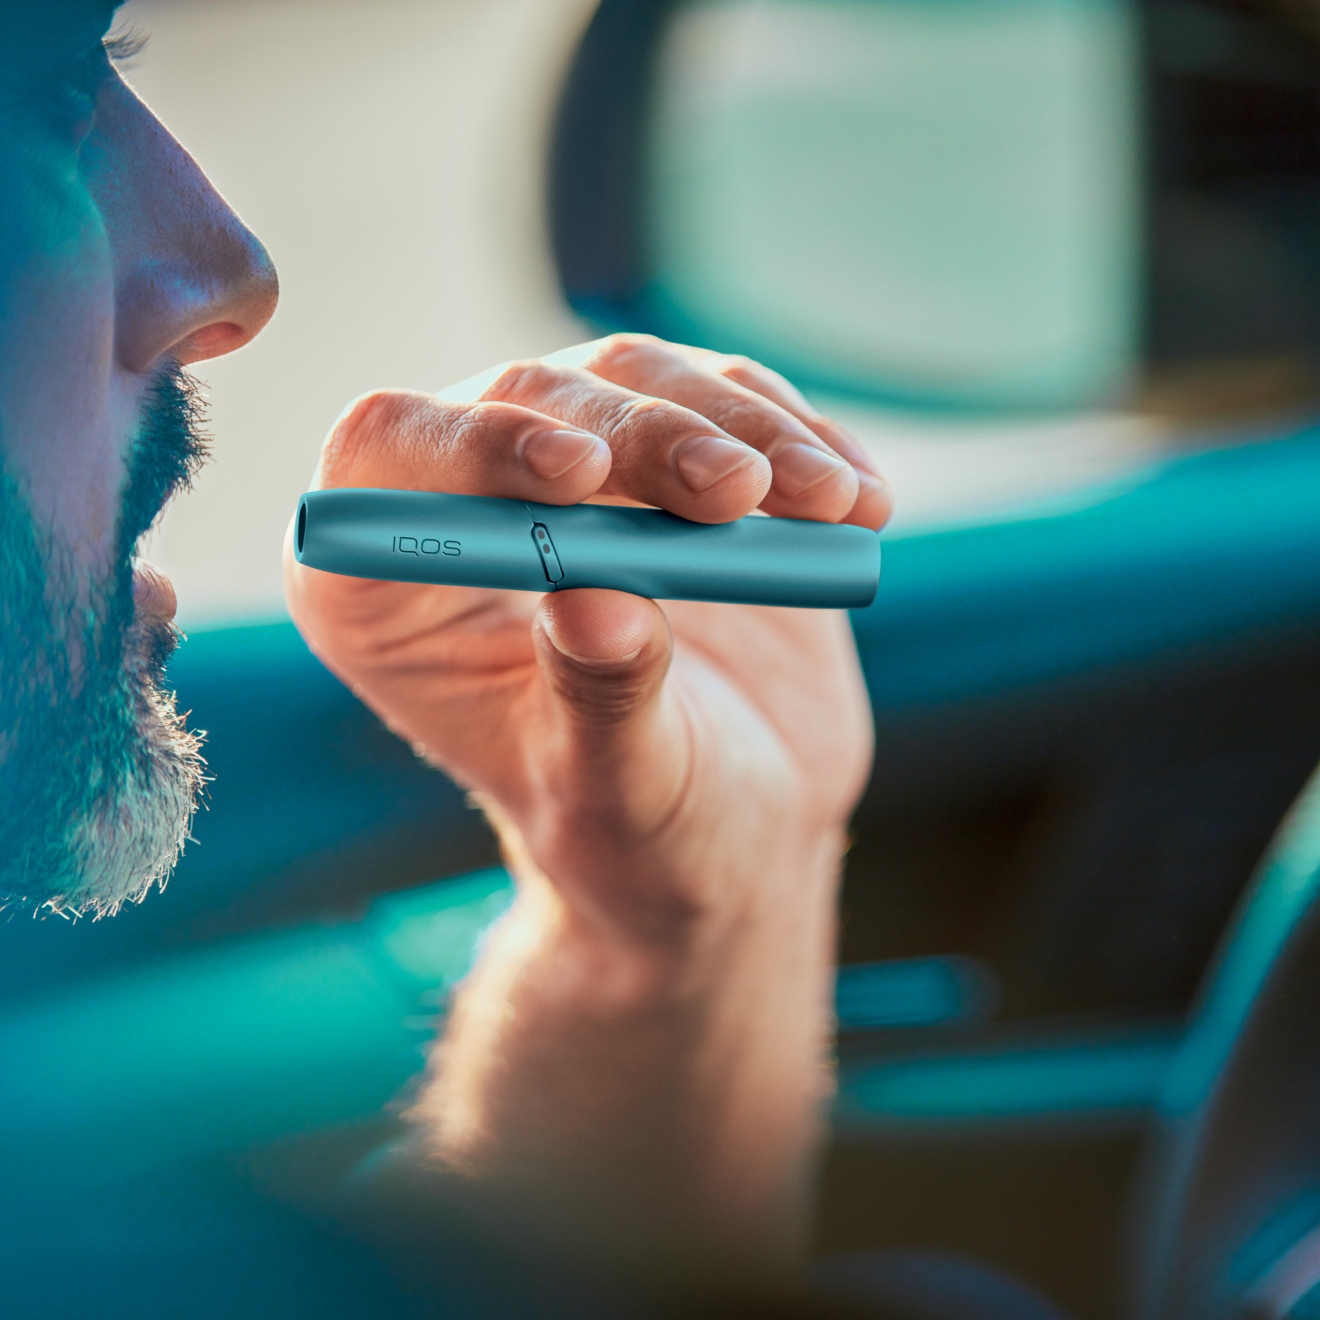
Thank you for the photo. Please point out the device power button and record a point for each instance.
(545, 548)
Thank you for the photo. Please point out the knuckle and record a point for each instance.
(741, 415)
(602, 699)
(479, 425)
(645, 420)
(523, 379)
(370, 423)
(627, 349)
(366, 414)
(741, 370)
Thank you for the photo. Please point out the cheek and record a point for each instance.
(66, 414)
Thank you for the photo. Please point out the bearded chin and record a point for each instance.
(99, 779)
(128, 840)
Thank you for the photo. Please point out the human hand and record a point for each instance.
(635, 1068)
(658, 763)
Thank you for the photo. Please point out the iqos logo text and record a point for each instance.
(410, 545)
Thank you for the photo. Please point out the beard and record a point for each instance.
(99, 778)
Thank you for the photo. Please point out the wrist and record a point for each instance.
(652, 905)
(764, 952)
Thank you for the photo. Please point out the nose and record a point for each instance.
(191, 280)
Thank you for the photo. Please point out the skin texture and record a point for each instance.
(640, 1056)
(119, 264)
(118, 256)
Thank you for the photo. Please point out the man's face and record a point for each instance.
(119, 266)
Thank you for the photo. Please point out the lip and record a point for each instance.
(153, 592)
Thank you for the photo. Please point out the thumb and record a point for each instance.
(614, 753)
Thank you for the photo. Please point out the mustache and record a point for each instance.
(168, 451)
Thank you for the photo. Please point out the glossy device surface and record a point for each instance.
(476, 541)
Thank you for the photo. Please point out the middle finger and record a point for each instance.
(661, 452)
(811, 479)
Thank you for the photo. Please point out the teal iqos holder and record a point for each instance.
(475, 541)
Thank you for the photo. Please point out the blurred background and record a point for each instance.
(1057, 262)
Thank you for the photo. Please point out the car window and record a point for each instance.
(931, 200)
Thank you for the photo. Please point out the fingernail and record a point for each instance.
(706, 459)
(799, 467)
(588, 661)
(549, 454)
(598, 661)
